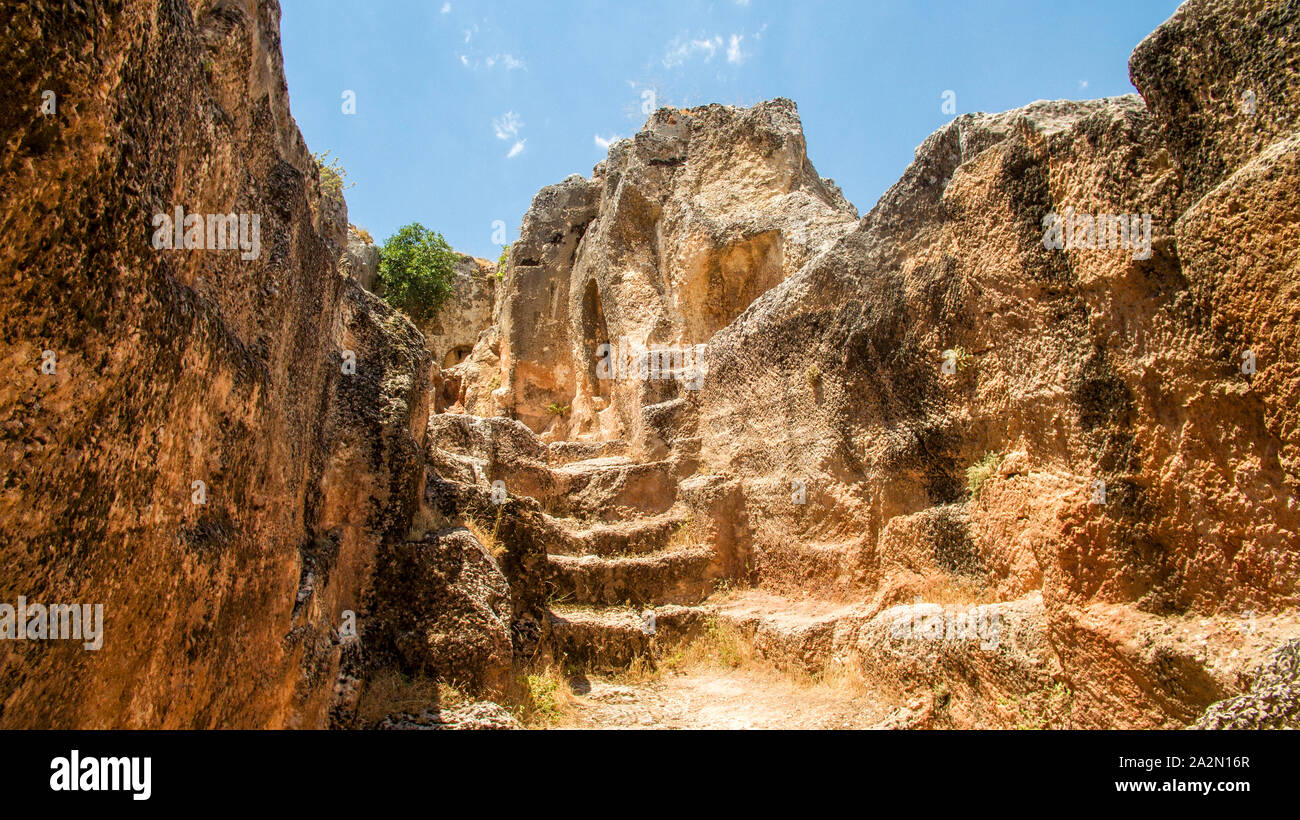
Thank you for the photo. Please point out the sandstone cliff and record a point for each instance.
(1019, 446)
(1131, 397)
(173, 367)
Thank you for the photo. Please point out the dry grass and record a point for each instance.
(947, 589)
(424, 521)
(488, 535)
(689, 533)
(391, 692)
(721, 646)
(982, 471)
(542, 699)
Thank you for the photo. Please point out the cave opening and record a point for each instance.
(455, 356)
(594, 334)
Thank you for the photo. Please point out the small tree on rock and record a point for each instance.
(417, 267)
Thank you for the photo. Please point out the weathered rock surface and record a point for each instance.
(468, 311)
(478, 715)
(674, 235)
(1141, 500)
(1273, 701)
(174, 367)
(442, 608)
(360, 260)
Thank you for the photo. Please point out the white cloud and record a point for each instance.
(464, 60)
(603, 143)
(510, 62)
(1083, 84)
(679, 51)
(516, 149)
(734, 54)
(446, 7)
(507, 127)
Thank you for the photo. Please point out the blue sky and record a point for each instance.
(465, 109)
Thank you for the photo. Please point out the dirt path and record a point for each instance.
(720, 699)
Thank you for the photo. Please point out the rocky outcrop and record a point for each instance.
(218, 441)
(468, 311)
(672, 238)
(442, 609)
(1051, 365)
(360, 260)
(1273, 701)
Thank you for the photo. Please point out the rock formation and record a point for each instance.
(219, 445)
(451, 334)
(1131, 387)
(360, 260)
(1020, 445)
(672, 238)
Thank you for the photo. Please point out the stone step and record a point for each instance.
(484, 438)
(636, 536)
(683, 576)
(612, 637)
(567, 452)
(612, 488)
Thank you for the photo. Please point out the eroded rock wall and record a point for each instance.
(674, 235)
(468, 311)
(1144, 479)
(173, 367)
(940, 399)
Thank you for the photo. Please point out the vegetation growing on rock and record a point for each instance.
(416, 266)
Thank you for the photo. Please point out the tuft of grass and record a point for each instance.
(425, 520)
(365, 236)
(391, 692)
(542, 698)
(640, 671)
(721, 645)
(981, 471)
(689, 533)
(558, 409)
(842, 675)
(813, 375)
(489, 537)
(959, 356)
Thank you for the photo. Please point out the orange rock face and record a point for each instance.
(1019, 447)
(201, 460)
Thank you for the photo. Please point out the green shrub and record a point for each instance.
(331, 174)
(980, 471)
(501, 262)
(416, 266)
